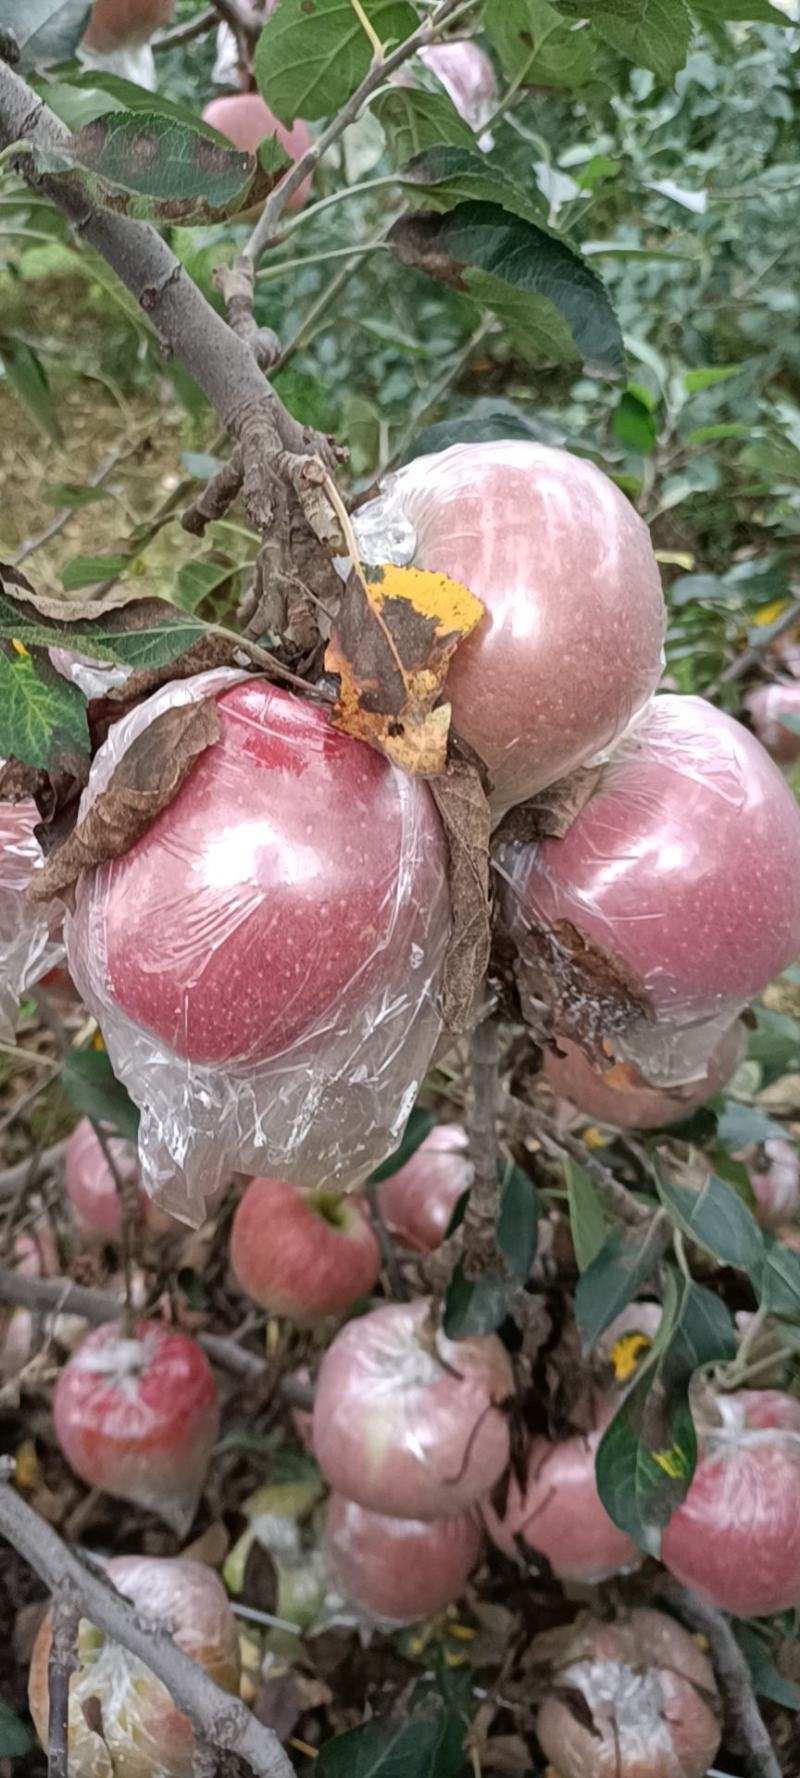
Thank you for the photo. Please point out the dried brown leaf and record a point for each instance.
(550, 814)
(146, 779)
(584, 991)
(461, 800)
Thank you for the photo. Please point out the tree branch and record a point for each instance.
(378, 74)
(219, 1719)
(529, 1121)
(62, 1664)
(27, 1172)
(745, 1723)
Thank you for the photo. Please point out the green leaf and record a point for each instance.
(450, 176)
(137, 633)
(587, 1221)
(420, 1123)
(28, 377)
(780, 1279)
(717, 1219)
(658, 37)
(767, 1681)
(73, 494)
(535, 46)
(46, 30)
(739, 1125)
(694, 380)
(647, 1456)
(147, 165)
(195, 581)
(430, 1748)
(312, 54)
(757, 12)
(90, 1083)
(518, 1219)
(94, 93)
(484, 419)
(15, 1738)
(634, 423)
(81, 571)
(532, 280)
(723, 429)
(626, 1259)
(473, 1307)
(42, 716)
(413, 119)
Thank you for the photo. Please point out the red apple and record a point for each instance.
(90, 1183)
(767, 707)
(417, 1202)
(245, 120)
(647, 1690)
(398, 1570)
(560, 1515)
(570, 646)
(121, 1718)
(406, 1421)
(118, 24)
(139, 1417)
(303, 1254)
(777, 1190)
(281, 927)
(690, 834)
(736, 1538)
(30, 936)
(622, 1097)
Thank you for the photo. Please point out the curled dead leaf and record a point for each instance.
(393, 639)
(147, 778)
(550, 814)
(461, 800)
(578, 989)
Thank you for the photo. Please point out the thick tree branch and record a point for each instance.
(745, 1724)
(62, 1664)
(218, 1719)
(379, 73)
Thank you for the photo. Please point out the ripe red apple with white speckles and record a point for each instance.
(689, 836)
(144, 1735)
(398, 1570)
(736, 1538)
(570, 646)
(124, 24)
(559, 1513)
(303, 1254)
(244, 119)
(622, 1097)
(138, 1417)
(408, 1422)
(417, 1202)
(648, 1695)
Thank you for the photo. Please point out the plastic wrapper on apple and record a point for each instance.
(689, 837)
(144, 1735)
(265, 961)
(395, 1571)
(30, 937)
(570, 646)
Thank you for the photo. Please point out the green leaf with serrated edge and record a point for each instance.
(430, 1748)
(195, 581)
(420, 1124)
(778, 1288)
(28, 377)
(746, 12)
(413, 119)
(647, 1456)
(42, 717)
(518, 1218)
(83, 571)
(473, 1307)
(509, 263)
(483, 420)
(146, 165)
(311, 57)
(625, 1261)
(587, 1222)
(90, 1083)
(659, 37)
(47, 31)
(444, 177)
(138, 633)
(717, 1219)
(98, 94)
(535, 45)
(15, 1738)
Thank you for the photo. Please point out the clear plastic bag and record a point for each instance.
(143, 1733)
(31, 941)
(571, 645)
(265, 961)
(683, 867)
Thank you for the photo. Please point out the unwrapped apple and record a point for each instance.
(559, 1514)
(417, 1202)
(398, 1570)
(303, 1254)
(622, 1097)
(245, 120)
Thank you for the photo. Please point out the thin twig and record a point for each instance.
(751, 656)
(378, 73)
(480, 1221)
(454, 370)
(34, 1167)
(218, 1719)
(185, 33)
(746, 1727)
(391, 1264)
(529, 1121)
(62, 1663)
(130, 1210)
(65, 513)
